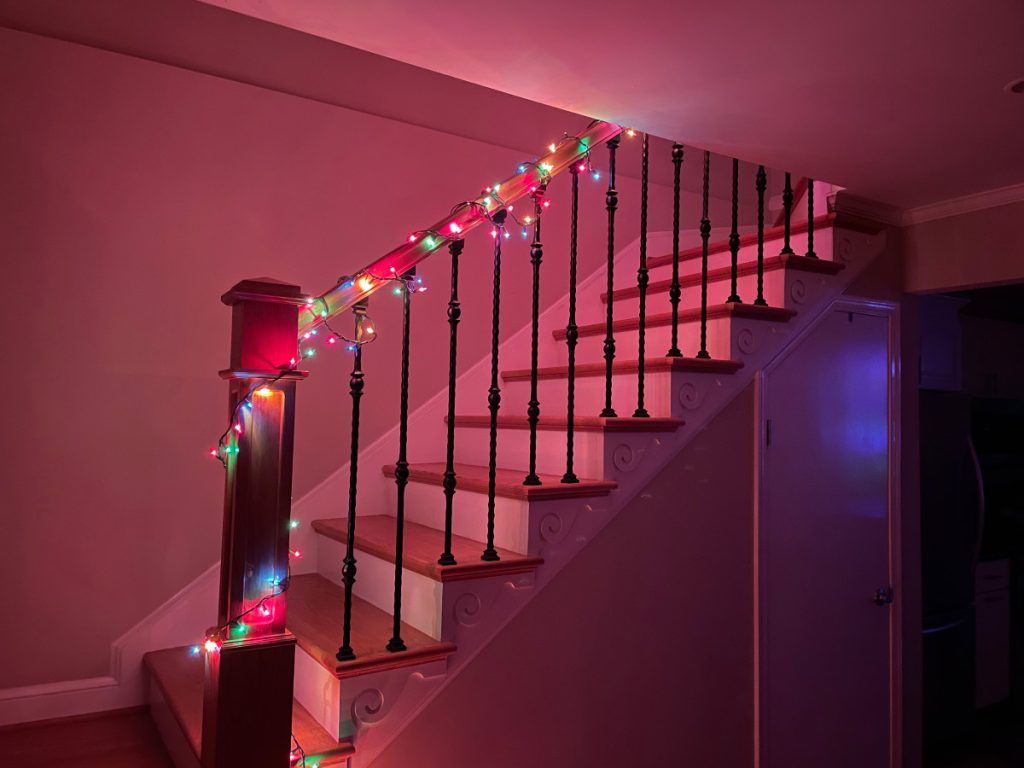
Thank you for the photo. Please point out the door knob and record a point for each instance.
(883, 596)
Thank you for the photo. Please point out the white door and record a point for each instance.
(825, 669)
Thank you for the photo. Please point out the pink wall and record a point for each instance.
(134, 194)
(593, 671)
(971, 250)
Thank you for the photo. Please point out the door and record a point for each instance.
(824, 569)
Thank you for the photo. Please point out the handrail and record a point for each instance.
(457, 224)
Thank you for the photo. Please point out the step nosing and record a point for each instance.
(595, 424)
(508, 486)
(426, 565)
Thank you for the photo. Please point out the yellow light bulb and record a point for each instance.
(552, 147)
(264, 392)
(365, 283)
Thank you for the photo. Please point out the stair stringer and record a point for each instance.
(477, 610)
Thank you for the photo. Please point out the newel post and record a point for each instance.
(247, 705)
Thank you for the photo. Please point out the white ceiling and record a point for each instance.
(902, 101)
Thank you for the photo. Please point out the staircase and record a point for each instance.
(347, 712)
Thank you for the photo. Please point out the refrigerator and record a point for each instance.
(952, 527)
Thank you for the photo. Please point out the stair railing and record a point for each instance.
(265, 366)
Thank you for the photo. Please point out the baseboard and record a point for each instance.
(181, 620)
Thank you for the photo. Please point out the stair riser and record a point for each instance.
(174, 739)
(748, 254)
(657, 340)
(422, 597)
(775, 282)
(425, 505)
(333, 702)
(472, 443)
(590, 394)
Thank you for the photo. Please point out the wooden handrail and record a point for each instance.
(457, 224)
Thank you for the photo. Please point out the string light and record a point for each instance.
(367, 282)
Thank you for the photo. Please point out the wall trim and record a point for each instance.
(862, 207)
(978, 201)
(180, 620)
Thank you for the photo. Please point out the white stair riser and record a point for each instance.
(334, 703)
(514, 450)
(375, 579)
(425, 503)
(590, 394)
(657, 340)
(775, 294)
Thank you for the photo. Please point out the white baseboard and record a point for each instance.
(181, 620)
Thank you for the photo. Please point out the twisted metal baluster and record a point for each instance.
(787, 207)
(454, 313)
(810, 220)
(734, 235)
(396, 644)
(571, 331)
(348, 571)
(674, 291)
(533, 407)
(705, 235)
(494, 393)
(611, 202)
(641, 276)
(761, 184)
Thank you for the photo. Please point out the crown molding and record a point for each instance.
(978, 201)
(862, 207)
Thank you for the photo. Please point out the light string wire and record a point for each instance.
(365, 330)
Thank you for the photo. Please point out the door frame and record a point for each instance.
(890, 311)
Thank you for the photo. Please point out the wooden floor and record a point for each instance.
(123, 739)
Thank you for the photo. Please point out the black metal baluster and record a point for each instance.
(396, 643)
(734, 235)
(494, 393)
(454, 312)
(787, 207)
(705, 235)
(348, 571)
(810, 220)
(611, 202)
(761, 184)
(674, 292)
(641, 278)
(571, 332)
(533, 407)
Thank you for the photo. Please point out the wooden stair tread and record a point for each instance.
(800, 263)
(375, 535)
(315, 615)
(825, 221)
(180, 674)
(688, 315)
(651, 365)
(509, 482)
(580, 423)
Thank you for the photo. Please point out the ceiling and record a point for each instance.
(902, 102)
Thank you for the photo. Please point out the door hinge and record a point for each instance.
(767, 432)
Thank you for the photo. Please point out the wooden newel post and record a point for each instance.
(247, 706)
